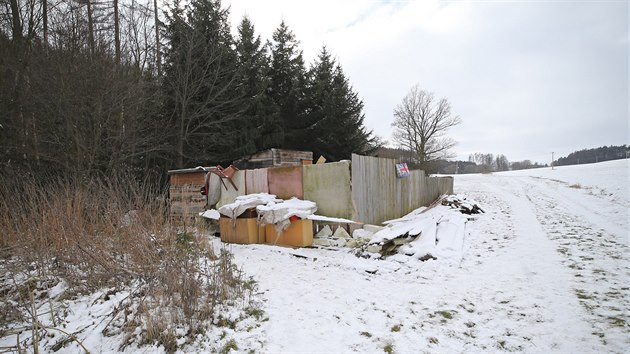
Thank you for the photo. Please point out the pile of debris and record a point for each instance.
(434, 232)
(340, 237)
(462, 203)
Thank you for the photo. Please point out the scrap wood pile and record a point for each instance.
(462, 203)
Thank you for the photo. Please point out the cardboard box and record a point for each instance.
(298, 234)
(244, 231)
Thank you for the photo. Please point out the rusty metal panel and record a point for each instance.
(328, 185)
(196, 178)
(285, 182)
(256, 181)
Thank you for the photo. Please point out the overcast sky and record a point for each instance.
(526, 77)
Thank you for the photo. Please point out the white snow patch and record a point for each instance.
(210, 214)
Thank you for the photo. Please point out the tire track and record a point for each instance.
(597, 259)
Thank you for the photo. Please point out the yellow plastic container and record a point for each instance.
(298, 234)
(244, 231)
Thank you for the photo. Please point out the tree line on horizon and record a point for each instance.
(487, 163)
(476, 163)
(100, 87)
(594, 155)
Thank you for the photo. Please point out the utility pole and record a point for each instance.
(552, 160)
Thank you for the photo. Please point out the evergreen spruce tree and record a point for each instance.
(287, 87)
(260, 115)
(335, 119)
(201, 85)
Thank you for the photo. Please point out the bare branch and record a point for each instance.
(420, 124)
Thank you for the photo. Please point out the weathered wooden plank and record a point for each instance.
(256, 181)
(379, 195)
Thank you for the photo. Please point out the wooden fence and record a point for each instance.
(368, 192)
(379, 195)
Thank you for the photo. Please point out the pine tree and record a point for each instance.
(335, 119)
(260, 115)
(287, 87)
(201, 85)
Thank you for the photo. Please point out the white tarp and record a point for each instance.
(279, 213)
(244, 202)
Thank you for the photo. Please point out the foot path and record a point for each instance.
(546, 269)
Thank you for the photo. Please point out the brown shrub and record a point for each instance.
(110, 232)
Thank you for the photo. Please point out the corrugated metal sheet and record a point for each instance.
(379, 195)
(285, 182)
(195, 177)
(329, 186)
(256, 181)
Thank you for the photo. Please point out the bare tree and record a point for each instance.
(90, 25)
(420, 124)
(117, 31)
(138, 34)
(45, 19)
(199, 88)
(158, 58)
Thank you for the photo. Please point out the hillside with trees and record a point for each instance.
(92, 87)
(603, 153)
(97, 101)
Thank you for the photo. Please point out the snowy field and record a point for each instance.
(545, 269)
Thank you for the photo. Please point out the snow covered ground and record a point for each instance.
(546, 269)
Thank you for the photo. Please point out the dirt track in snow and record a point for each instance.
(588, 233)
(546, 269)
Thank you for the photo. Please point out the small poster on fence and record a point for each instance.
(401, 170)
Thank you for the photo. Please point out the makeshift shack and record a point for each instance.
(184, 191)
(366, 190)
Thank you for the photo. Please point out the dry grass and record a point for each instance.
(110, 233)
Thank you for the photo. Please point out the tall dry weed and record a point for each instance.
(109, 233)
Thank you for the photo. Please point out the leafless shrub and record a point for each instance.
(109, 233)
